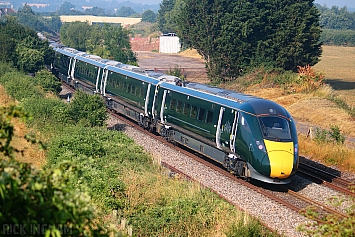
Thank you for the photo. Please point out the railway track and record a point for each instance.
(325, 178)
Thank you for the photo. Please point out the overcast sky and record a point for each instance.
(329, 3)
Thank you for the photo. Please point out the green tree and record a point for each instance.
(75, 34)
(107, 41)
(96, 11)
(65, 8)
(125, 11)
(164, 19)
(87, 109)
(234, 36)
(23, 48)
(27, 17)
(149, 16)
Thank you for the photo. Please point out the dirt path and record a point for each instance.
(191, 67)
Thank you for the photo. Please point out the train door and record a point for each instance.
(233, 134)
(219, 128)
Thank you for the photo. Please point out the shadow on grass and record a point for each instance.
(338, 84)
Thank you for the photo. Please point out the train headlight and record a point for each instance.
(260, 145)
(296, 147)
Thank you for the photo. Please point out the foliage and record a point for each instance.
(51, 207)
(95, 11)
(6, 67)
(27, 17)
(336, 18)
(144, 29)
(107, 41)
(176, 71)
(237, 34)
(7, 129)
(75, 34)
(47, 81)
(88, 110)
(165, 17)
(47, 112)
(99, 156)
(23, 48)
(330, 225)
(252, 229)
(125, 12)
(333, 135)
(338, 37)
(68, 9)
(149, 16)
(20, 86)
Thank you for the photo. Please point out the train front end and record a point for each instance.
(272, 143)
(280, 159)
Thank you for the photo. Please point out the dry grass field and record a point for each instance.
(338, 65)
(31, 153)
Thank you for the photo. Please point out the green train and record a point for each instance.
(252, 137)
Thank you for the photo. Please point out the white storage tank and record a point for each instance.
(169, 43)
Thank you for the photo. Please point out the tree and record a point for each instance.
(22, 46)
(75, 34)
(65, 8)
(166, 25)
(125, 11)
(107, 41)
(27, 17)
(233, 36)
(149, 16)
(96, 11)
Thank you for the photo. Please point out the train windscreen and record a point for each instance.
(275, 128)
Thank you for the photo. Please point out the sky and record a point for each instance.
(329, 3)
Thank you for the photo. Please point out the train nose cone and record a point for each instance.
(281, 158)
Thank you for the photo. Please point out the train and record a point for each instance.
(251, 137)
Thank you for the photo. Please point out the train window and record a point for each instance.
(141, 92)
(193, 113)
(124, 86)
(133, 90)
(186, 109)
(129, 88)
(179, 107)
(275, 128)
(201, 114)
(172, 104)
(120, 84)
(209, 117)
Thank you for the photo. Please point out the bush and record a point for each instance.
(47, 81)
(88, 110)
(333, 135)
(20, 86)
(38, 202)
(46, 111)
